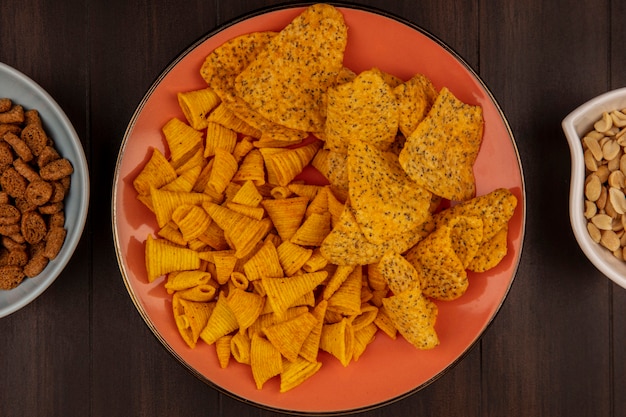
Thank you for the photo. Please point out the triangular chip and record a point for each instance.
(287, 80)
(286, 214)
(347, 299)
(288, 336)
(162, 257)
(156, 173)
(265, 360)
(191, 318)
(196, 105)
(283, 292)
(491, 252)
(414, 316)
(313, 231)
(287, 164)
(165, 202)
(221, 322)
(183, 141)
(363, 109)
(363, 337)
(310, 347)
(386, 201)
(292, 257)
(399, 273)
(246, 306)
(296, 372)
(346, 244)
(415, 98)
(264, 263)
(439, 155)
(338, 340)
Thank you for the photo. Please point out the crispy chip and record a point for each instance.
(264, 263)
(251, 169)
(218, 136)
(415, 98)
(414, 316)
(200, 293)
(287, 164)
(338, 340)
(310, 347)
(183, 141)
(289, 336)
(286, 214)
(283, 292)
(443, 275)
(265, 360)
(296, 372)
(246, 306)
(248, 195)
(222, 321)
(190, 317)
(313, 231)
(292, 257)
(224, 168)
(399, 273)
(192, 221)
(225, 117)
(440, 153)
(196, 105)
(347, 299)
(386, 201)
(495, 209)
(490, 253)
(287, 81)
(164, 203)
(185, 181)
(363, 109)
(240, 345)
(384, 323)
(337, 278)
(346, 244)
(156, 173)
(162, 257)
(363, 337)
(182, 280)
(222, 349)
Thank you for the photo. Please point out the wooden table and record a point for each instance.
(557, 346)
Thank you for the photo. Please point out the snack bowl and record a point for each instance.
(26, 92)
(575, 125)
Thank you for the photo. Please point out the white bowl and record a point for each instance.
(22, 90)
(576, 125)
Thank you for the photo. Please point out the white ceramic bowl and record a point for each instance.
(576, 125)
(24, 91)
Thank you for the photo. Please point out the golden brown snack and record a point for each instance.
(10, 276)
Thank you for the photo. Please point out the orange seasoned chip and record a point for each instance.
(221, 322)
(163, 257)
(185, 181)
(196, 105)
(313, 230)
(264, 263)
(384, 323)
(286, 82)
(286, 214)
(347, 298)
(386, 201)
(225, 117)
(287, 164)
(337, 278)
(414, 316)
(363, 337)
(218, 136)
(292, 257)
(265, 360)
(192, 220)
(398, 273)
(191, 317)
(289, 336)
(164, 203)
(363, 109)
(246, 306)
(338, 340)
(199, 293)
(296, 372)
(466, 235)
(442, 273)
(283, 292)
(495, 209)
(490, 253)
(156, 173)
(277, 136)
(240, 345)
(310, 347)
(183, 141)
(346, 244)
(182, 280)
(248, 195)
(223, 350)
(333, 166)
(224, 168)
(252, 168)
(415, 98)
(439, 155)
(226, 62)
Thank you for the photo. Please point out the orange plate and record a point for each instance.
(389, 369)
